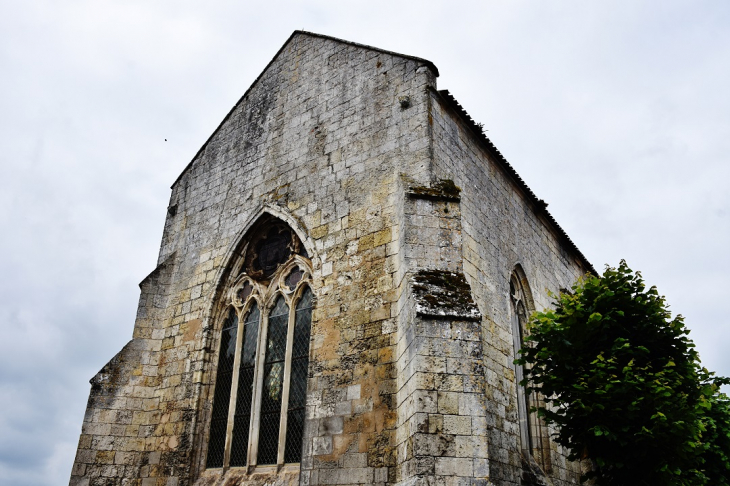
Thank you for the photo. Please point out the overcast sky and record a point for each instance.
(616, 113)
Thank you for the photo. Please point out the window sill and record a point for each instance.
(258, 469)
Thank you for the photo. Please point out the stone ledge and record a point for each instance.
(443, 190)
(441, 294)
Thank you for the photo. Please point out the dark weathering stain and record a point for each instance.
(256, 113)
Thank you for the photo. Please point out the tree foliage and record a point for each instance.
(624, 387)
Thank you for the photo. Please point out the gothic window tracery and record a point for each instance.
(261, 379)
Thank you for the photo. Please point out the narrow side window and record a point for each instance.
(519, 319)
(533, 433)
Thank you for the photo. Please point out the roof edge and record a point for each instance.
(539, 205)
(425, 62)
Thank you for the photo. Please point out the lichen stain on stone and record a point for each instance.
(191, 328)
(443, 294)
(115, 373)
(328, 329)
(341, 444)
(380, 451)
(376, 425)
(441, 190)
(281, 192)
(239, 476)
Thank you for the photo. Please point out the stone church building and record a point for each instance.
(345, 274)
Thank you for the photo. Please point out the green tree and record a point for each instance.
(715, 417)
(624, 387)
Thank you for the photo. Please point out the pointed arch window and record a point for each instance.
(533, 433)
(263, 358)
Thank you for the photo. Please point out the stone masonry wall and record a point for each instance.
(502, 228)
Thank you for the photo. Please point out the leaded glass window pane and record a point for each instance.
(222, 396)
(298, 379)
(242, 417)
(274, 250)
(273, 383)
(245, 291)
(293, 278)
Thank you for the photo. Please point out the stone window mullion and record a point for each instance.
(253, 443)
